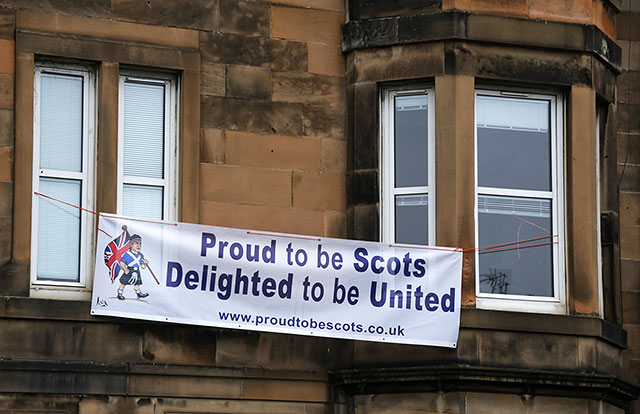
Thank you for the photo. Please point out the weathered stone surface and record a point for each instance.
(248, 82)
(6, 163)
(7, 51)
(628, 119)
(362, 187)
(319, 191)
(399, 63)
(336, 5)
(405, 403)
(7, 24)
(326, 59)
(213, 79)
(6, 199)
(99, 50)
(629, 87)
(334, 156)
(366, 9)
(212, 143)
(243, 17)
(253, 51)
(113, 404)
(628, 147)
(6, 129)
(95, 8)
(629, 177)
(366, 143)
(6, 92)
(628, 28)
(107, 29)
(324, 121)
(5, 239)
(184, 345)
(196, 14)
(170, 405)
(630, 242)
(512, 7)
(630, 209)
(307, 88)
(630, 270)
(307, 25)
(265, 218)
(335, 224)
(273, 151)
(363, 222)
(244, 185)
(251, 116)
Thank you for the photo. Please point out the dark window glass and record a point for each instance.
(412, 213)
(410, 143)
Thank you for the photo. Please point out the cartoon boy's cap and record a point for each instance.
(136, 236)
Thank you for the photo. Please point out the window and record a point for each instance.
(519, 177)
(63, 163)
(147, 146)
(408, 167)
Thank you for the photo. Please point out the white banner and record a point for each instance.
(230, 278)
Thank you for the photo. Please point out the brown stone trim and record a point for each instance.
(389, 31)
(580, 191)
(23, 177)
(189, 142)
(169, 37)
(455, 171)
(451, 378)
(107, 154)
(104, 50)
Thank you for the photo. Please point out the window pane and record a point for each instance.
(142, 201)
(514, 144)
(61, 122)
(143, 130)
(412, 216)
(410, 143)
(516, 270)
(59, 231)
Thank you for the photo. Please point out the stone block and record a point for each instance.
(399, 62)
(183, 345)
(185, 386)
(253, 51)
(628, 119)
(243, 17)
(7, 24)
(629, 177)
(534, 351)
(309, 25)
(6, 93)
(634, 55)
(363, 223)
(263, 218)
(212, 143)
(334, 156)
(6, 128)
(248, 82)
(510, 8)
(630, 269)
(575, 11)
(273, 151)
(413, 403)
(5, 239)
(244, 185)
(319, 191)
(366, 141)
(326, 59)
(335, 224)
(633, 339)
(324, 121)
(363, 187)
(251, 116)
(629, 86)
(6, 163)
(630, 242)
(213, 79)
(8, 53)
(237, 349)
(195, 14)
(308, 88)
(631, 369)
(107, 29)
(114, 404)
(628, 147)
(630, 209)
(6, 199)
(605, 17)
(628, 28)
(93, 8)
(336, 5)
(366, 9)
(260, 389)
(630, 306)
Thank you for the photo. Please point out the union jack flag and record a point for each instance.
(113, 253)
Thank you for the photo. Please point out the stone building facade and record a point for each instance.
(282, 115)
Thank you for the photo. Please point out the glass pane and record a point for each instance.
(143, 130)
(515, 269)
(410, 143)
(514, 144)
(61, 122)
(59, 231)
(412, 217)
(142, 201)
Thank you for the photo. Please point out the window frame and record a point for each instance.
(511, 302)
(171, 155)
(47, 288)
(388, 191)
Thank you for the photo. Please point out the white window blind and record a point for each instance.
(516, 114)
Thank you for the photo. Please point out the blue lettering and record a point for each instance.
(178, 268)
(360, 255)
(208, 241)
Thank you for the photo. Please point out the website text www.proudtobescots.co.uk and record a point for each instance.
(296, 322)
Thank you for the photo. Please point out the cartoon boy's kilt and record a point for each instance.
(133, 278)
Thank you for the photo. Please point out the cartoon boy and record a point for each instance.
(130, 264)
